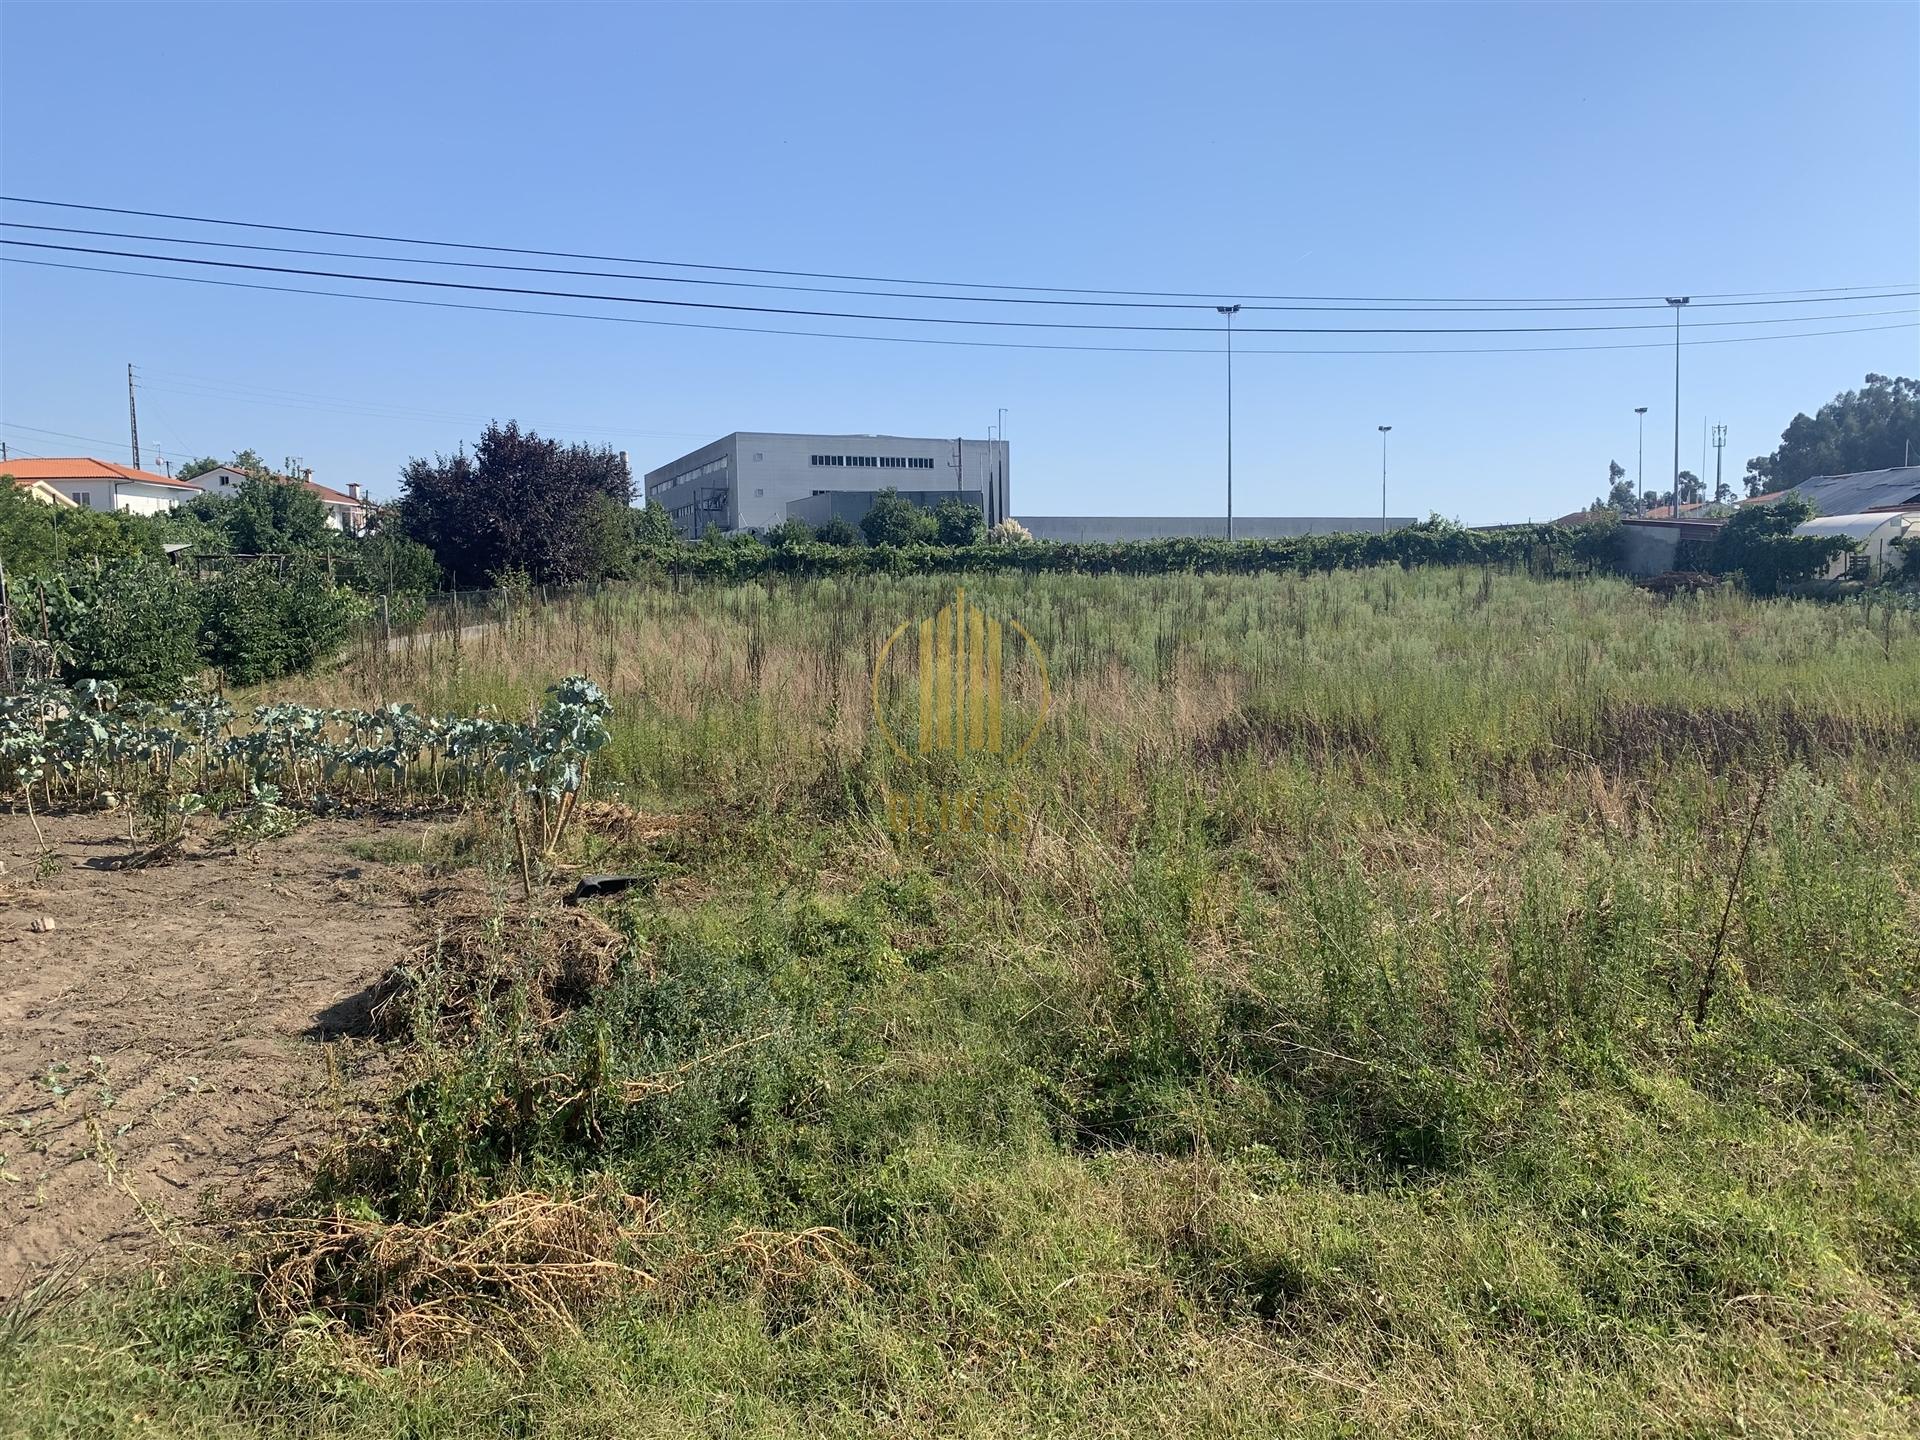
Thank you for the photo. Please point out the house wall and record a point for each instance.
(140, 499)
(133, 496)
(222, 480)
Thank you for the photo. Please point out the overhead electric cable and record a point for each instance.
(934, 340)
(598, 298)
(1211, 296)
(1507, 308)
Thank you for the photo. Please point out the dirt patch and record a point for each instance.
(184, 1036)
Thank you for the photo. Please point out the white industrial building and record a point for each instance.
(747, 480)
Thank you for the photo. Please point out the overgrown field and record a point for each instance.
(1425, 1002)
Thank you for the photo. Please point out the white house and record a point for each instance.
(1874, 532)
(346, 511)
(37, 489)
(102, 485)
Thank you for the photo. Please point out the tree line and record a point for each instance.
(1876, 427)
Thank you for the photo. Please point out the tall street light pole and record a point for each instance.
(1640, 474)
(1383, 429)
(1676, 301)
(1000, 461)
(1229, 311)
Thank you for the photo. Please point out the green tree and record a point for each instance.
(197, 467)
(276, 517)
(840, 532)
(387, 563)
(38, 540)
(134, 622)
(1691, 489)
(894, 520)
(264, 516)
(1870, 428)
(653, 528)
(521, 502)
(1620, 494)
(258, 622)
(1759, 544)
(958, 523)
(790, 534)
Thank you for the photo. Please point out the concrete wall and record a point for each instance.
(852, 505)
(759, 474)
(1104, 529)
(1653, 547)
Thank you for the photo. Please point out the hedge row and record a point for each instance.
(148, 627)
(1538, 547)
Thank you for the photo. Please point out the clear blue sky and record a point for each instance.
(1365, 150)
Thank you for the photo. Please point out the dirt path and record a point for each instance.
(183, 1037)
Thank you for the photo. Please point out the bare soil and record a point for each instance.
(175, 1048)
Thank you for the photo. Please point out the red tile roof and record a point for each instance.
(1665, 512)
(330, 495)
(81, 468)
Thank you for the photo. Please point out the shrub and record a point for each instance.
(386, 563)
(258, 623)
(839, 533)
(1009, 532)
(1760, 545)
(958, 523)
(37, 539)
(133, 622)
(894, 520)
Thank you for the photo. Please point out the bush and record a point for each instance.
(38, 539)
(957, 523)
(839, 533)
(133, 623)
(897, 521)
(257, 623)
(1759, 544)
(1542, 549)
(387, 563)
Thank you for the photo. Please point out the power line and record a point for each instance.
(939, 340)
(418, 281)
(1454, 308)
(197, 388)
(1209, 297)
(61, 434)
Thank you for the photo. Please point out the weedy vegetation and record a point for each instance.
(1428, 1000)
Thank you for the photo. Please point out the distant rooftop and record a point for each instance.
(1864, 490)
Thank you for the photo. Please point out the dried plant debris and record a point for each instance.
(506, 1275)
(484, 955)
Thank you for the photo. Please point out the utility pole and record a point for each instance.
(1383, 429)
(1676, 301)
(133, 417)
(1229, 311)
(1640, 476)
(1719, 457)
(1000, 464)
